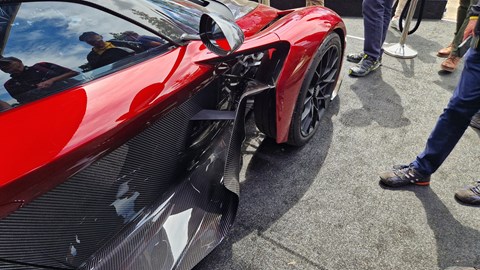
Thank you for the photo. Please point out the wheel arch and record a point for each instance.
(317, 23)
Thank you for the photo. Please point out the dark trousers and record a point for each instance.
(376, 18)
(455, 119)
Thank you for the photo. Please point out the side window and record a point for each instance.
(47, 47)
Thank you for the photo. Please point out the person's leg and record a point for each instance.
(400, 6)
(375, 13)
(387, 16)
(398, 12)
(455, 119)
(451, 63)
(462, 13)
(450, 127)
(376, 18)
(458, 35)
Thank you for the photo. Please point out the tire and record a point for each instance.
(316, 92)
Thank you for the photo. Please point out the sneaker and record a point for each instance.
(445, 52)
(469, 195)
(355, 57)
(365, 66)
(395, 23)
(403, 175)
(451, 63)
(475, 122)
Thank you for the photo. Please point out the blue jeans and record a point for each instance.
(376, 18)
(455, 119)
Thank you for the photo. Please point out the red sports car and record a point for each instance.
(122, 121)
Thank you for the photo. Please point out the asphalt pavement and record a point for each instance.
(321, 207)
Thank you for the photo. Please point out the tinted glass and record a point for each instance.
(187, 13)
(51, 46)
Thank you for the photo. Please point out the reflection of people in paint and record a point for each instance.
(42, 76)
(103, 52)
(142, 41)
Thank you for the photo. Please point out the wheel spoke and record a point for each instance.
(326, 97)
(319, 90)
(316, 78)
(307, 123)
(308, 99)
(331, 77)
(307, 109)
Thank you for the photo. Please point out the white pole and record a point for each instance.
(402, 50)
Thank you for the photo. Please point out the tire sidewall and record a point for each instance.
(295, 134)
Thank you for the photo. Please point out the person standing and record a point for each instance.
(450, 127)
(376, 19)
(103, 52)
(395, 23)
(451, 51)
(42, 76)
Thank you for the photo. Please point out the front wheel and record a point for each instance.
(316, 92)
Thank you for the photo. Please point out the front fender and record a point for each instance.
(304, 30)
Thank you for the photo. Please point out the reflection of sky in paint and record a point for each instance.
(176, 228)
(49, 33)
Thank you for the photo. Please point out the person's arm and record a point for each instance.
(49, 82)
(472, 27)
(53, 69)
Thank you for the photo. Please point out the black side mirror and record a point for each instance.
(220, 35)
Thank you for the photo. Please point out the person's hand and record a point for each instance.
(45, 84)
(469, 29)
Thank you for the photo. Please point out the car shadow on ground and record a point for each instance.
(455, 242)
(272, 186)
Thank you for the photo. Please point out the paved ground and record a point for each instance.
(320, 206)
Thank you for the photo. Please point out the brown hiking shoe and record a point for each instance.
(451, 63)
(445, 52)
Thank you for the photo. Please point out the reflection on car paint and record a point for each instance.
(24, 39)
(176, 228)
(146, 171)
(124, 206)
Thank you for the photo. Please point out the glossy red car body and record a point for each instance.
(48, 141)
(64, 131)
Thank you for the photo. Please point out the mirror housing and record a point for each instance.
(220, 35)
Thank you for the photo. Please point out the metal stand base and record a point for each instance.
(400, 51)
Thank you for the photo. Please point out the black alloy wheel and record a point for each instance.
(320, 90)
(316, 92)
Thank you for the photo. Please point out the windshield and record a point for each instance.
(188, 12)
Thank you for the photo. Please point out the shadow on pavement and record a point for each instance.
(272, 186)
(456, 243)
